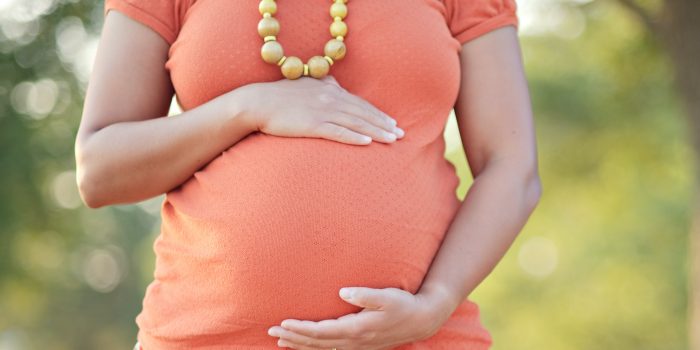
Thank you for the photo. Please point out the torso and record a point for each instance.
(274, 226)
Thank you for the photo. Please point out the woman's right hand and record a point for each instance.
(320, 108)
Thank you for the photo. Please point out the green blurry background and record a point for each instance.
(604, 262)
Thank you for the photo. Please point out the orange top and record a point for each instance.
(273, 227)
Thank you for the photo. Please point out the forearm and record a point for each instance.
(495, 209)
(132, 161)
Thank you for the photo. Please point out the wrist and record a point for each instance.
(440, 303)
(244, 109)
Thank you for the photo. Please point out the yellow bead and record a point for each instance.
(267, 6)
(292, 68)
(271, 52)
(268, 26)
(335, 49)
(339, 28)
(318, 67)
(339, 10)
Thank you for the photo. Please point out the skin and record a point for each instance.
(127, 150)
(496, 126)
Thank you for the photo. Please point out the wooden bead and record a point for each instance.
(268, 26)
(292, 68)
(339, 10)
(268, 6)
(339, 28)
(334, 49)
(271, 52)
(318, 67)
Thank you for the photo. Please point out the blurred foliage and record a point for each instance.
(615, 163)
(600, 265)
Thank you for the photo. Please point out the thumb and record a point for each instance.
(370, 298)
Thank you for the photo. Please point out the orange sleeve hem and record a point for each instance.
(143, 17)
(501, 20)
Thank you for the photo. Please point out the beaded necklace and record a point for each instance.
(292, 67)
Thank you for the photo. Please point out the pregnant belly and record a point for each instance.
(274, 227)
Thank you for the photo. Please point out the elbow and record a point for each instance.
(88, 185)
(87, 188)
(533, 189)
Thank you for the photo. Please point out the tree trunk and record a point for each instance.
(680, 33)
(694, 281)
(678, 29)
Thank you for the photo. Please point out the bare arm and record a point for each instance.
(496, 126)
(127, 149)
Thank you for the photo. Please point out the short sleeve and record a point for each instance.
(162, 16)
(468, 19)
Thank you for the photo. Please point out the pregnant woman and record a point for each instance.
(308, 157)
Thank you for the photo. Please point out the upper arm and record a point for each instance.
(493, 110)
(129, 81)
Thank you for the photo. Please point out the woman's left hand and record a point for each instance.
(391, 317)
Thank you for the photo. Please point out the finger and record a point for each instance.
(362, 126)
(361, 108)
(371, 298)
(350, 326)
(335, 132)
(365, 109)
(290, 345)
(304, 341)
(360, 100)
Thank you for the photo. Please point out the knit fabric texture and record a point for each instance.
(273, 227)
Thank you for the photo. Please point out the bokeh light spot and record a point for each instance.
(103, 269)
(65, 190)
(538, 256)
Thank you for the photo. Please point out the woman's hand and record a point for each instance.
(321, 108)
(391, 317)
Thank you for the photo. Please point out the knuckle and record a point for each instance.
(313, 334)
(339, 132)
(365, 108)
(325, 97)
(355, 122)
(369, 336)
(356, 331)
(331, 88)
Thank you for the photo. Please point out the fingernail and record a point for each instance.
(400, 131)
(345, 293)
(273, 332)
(390, 136)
